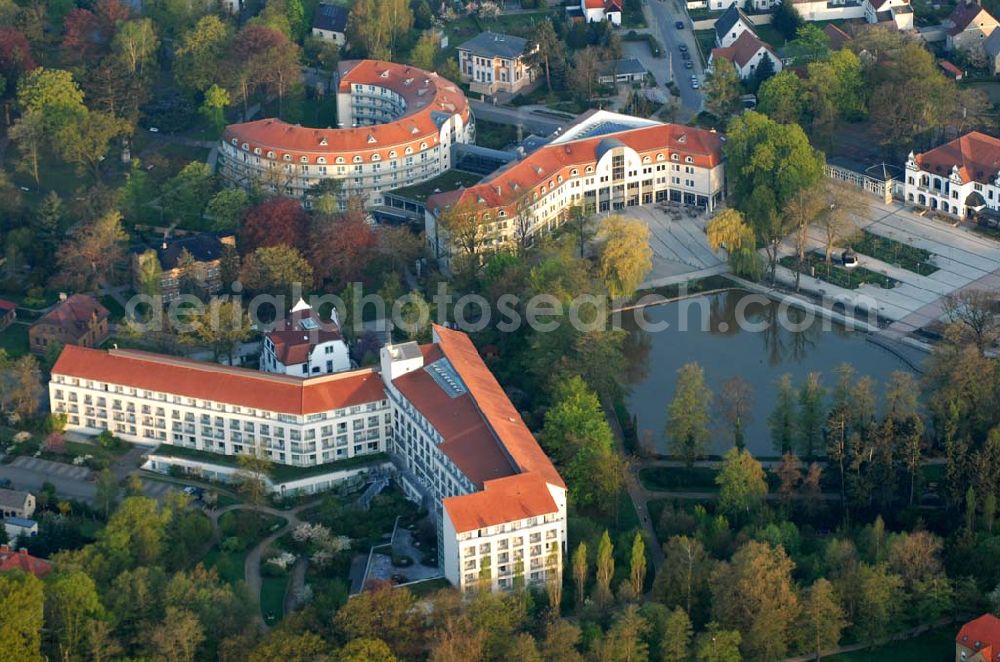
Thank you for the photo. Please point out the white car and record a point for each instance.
(153, 129)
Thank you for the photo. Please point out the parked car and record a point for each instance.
(695, 85)
(679, 25)
(688, 64)
(682, 48)
(685, 55)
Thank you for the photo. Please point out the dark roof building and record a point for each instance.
(77, 320)
(495, 44)
(332, 18)
(728, 21)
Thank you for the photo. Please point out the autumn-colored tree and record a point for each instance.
(88, 33)
(742, 484)
(15, 59)
(625, 256)
(341, 249)
(276, 221)
(789, 472)
(462, 233)
(822, 619)
(382, 612)
(20, 385)
(677, 632)
(263, 58)
(178, 636)
(276, 270)
(357, 650)
(682, 580)
(88, 258)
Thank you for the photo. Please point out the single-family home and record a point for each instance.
(330, 23)
(595, 11)
(625, 70)
(720, 5)
(19, 529)
(11, 559)
(992, 48)
(829, 10)
(195, 258)
(746, 54)
(968, 26)
(492, 62)
(961, 178)
(8, 313)
(76, 320)
(978, 640)
(304, 346)
(15, 503)
(896, 14)
(731, 25)
(838, 38)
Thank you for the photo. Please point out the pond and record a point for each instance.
(737, 333)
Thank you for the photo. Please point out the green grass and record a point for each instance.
(229, 565)
(495, 136)
(933, 646)
(768, 34)
(446, 181)
(272, 598)
(896, 253)
(316, 112)
(850, 279)
(14, 340)
(695, 479)
(706, 40)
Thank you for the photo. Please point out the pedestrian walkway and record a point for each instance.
(59, 469)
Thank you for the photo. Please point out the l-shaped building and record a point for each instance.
(458, 444)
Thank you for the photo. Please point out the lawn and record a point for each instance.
(495, 136)
(770, 35)
(229, 565)
(14, 340)
(695, 479)
(850, 279)
(305, 109)
(933, 646)
(706, 40)
(896, 253)
(272, 598)
(250, 528)
(446, 181)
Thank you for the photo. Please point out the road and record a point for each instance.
(665, 13)
(530, 120)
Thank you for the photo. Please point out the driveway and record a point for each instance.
(664, 14)
(533, 122)
(30, 473)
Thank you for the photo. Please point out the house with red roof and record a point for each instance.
(76, 320)
(8, 313)
(303, 345)
(960, 178)
(746, 53)
(979, 640)
(596, 11)
(11, 559)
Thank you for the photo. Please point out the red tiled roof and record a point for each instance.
(963, 16)
(976, 154)
(210, 381)
(949, 67)
(425, 94)
(981, 635)
(837, 36)
(545, 165)
(20, 559)
(293, 343)
(75, 312)
(743, 49)
(7, 305)
(501, 500)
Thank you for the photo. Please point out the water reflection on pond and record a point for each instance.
(738, 333)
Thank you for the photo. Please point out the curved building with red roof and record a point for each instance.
(396, 126)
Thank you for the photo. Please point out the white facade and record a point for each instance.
(731, 35)
(949, 193)
(338, 38)
(822, 10)
(324, 358)
(596, 12)
(489, 75)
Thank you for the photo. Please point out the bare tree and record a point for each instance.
(802, 209)
(843, 204)
(735, 407)
(975, 313)
(524, 221)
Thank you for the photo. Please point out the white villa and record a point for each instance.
(492, 62)
(960, 178)
(303, 345)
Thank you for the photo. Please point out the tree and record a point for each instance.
(561, 639)
(687, 415)
(135, 43)
(625, 256)
(836, 221)
(422, 55)
(52, 92)
(225, 207)
(770, 163)
(374, 26)
(85, 140)
(718, 645)
(276, 221)
(586, 67)
(214, 107)
(71, 603)
(879, 602)
(276, 270)
(20, 385)
(341, 250)
(553, 582)
(21, 617)
(742, 484)
(262, 58)
(580, 571)
(916, 557)
(974, 312)
(302, 646)
(811, 416)
(822, 619)
(29, 133)
(605, 570)
(810, 44)
(178, 636)
(464, 232)
(360, 650)
(252, 477)
(722, 89)
(764, 71)
(88, 258)
(728, 230)
(734, 406)
(637, 564)
(196, 64)
(782, 97)
(187, 193)
(385, 613)
(627, 635)
(789, 472)
(799, 213)
(787, 20)
(682, 580)
(222, 325)
(676, 646)
(107, 491)
(754, 594)
(550, 50)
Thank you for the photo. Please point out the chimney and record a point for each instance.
(62, 296)
(23, 551)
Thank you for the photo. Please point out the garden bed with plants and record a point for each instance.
(815, 265)
(896, 253)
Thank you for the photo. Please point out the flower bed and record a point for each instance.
(835, 274)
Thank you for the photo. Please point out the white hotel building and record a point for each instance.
(459, 445)
(603, 163)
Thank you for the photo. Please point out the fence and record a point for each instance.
(859, 179)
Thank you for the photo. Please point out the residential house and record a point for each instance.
(829, 10)
(330, 23)
(979, 640)
(838, 38)
(746, 54)
(960, 178)
(15, 503)
(720, 5)
(492, 62)
(194, 259)
(8, 313)
(19, 529)
(730, 26)
(11, 559)
(992, 48)
(76, 320)
(595, 11)
(626, 70)
(303, 345)
(969, 25)
(897, 14)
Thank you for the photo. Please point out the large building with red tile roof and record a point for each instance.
(605, 162)
(20, 559)
(960, 178)
(979, 640)
(459, 444)
(396, 125)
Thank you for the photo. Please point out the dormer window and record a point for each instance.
(574, 172)
(423, 146)
(235, 141)
(659, 157)
(321, 159)
(303, 159)
(256, 150)
(287, 157)
(270, 155)
(376, 157)
(673, 157)
(688, 159)
(340, 159)
(392, 154)
(371, 139)
(357, 159)
(590, 169)
(323, 142)
(409, 150)
(646, 159)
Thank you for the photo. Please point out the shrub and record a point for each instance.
(401, 561)
(231, 545)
